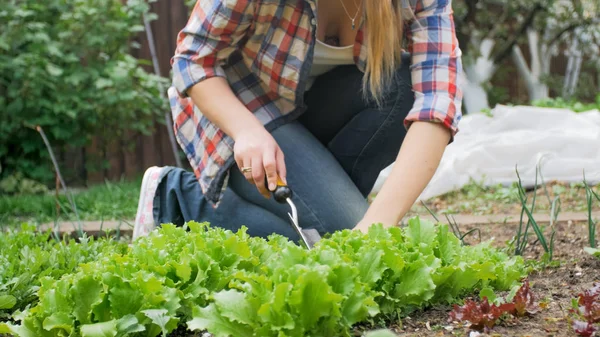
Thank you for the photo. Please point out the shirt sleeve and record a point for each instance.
(212, 33)
(436, 68)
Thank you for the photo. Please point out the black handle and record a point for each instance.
(282, 192)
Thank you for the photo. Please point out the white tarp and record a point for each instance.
(561, 142)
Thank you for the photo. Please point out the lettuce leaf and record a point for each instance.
(232, 284)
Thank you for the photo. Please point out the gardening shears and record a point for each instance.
(283, 194)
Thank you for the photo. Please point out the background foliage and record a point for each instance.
(549, 46)
(65, 65)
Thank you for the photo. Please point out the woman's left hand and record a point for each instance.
(362, 226)
(367, 222)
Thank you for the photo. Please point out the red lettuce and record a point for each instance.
(586, 309)
(483, 316)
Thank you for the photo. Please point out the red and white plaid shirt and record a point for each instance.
(264, 49)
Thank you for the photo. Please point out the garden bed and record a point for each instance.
(231, 284)
(553, 285)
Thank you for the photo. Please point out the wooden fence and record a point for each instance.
(134, 153)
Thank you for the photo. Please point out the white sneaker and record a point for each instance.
(144, 218)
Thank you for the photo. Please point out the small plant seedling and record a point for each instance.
(522, 233)
(453, 225)
(590, 196)
(484, 316)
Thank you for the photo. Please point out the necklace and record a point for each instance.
(355, 15)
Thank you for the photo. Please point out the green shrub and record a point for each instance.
(16, 184)
(65, 65)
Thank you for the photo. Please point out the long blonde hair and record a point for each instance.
(384, 22)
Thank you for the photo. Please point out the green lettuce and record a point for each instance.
(27, 256)
(231, 284)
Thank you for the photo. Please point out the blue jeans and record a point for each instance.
(334, 154)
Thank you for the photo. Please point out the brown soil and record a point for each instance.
(183, 332)
(553, 286)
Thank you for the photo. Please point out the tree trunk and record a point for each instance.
(540, 65)
(477, 75)
(573, 69)
(475, 97)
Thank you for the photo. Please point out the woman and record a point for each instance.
(318, 93)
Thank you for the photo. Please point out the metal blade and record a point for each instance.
(294, 218)
(312, 236)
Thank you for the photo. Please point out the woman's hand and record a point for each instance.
(257, 154)
(387, 219)
(363, 226)
(255, 149)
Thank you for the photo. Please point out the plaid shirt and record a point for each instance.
(264, 49)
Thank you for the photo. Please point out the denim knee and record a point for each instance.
(178, 198)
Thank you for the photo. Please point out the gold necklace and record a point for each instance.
(357, 11)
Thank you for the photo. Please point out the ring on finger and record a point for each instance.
(246, 169)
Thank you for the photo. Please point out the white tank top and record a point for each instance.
(327, 57)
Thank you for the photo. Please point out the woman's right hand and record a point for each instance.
(256, 149)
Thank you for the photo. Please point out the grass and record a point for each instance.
(477, 199)
(108, 201)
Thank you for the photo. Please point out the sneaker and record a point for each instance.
(144, 218)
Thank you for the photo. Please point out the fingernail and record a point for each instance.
(272, 187)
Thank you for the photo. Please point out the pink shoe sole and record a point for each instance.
(144, 218)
